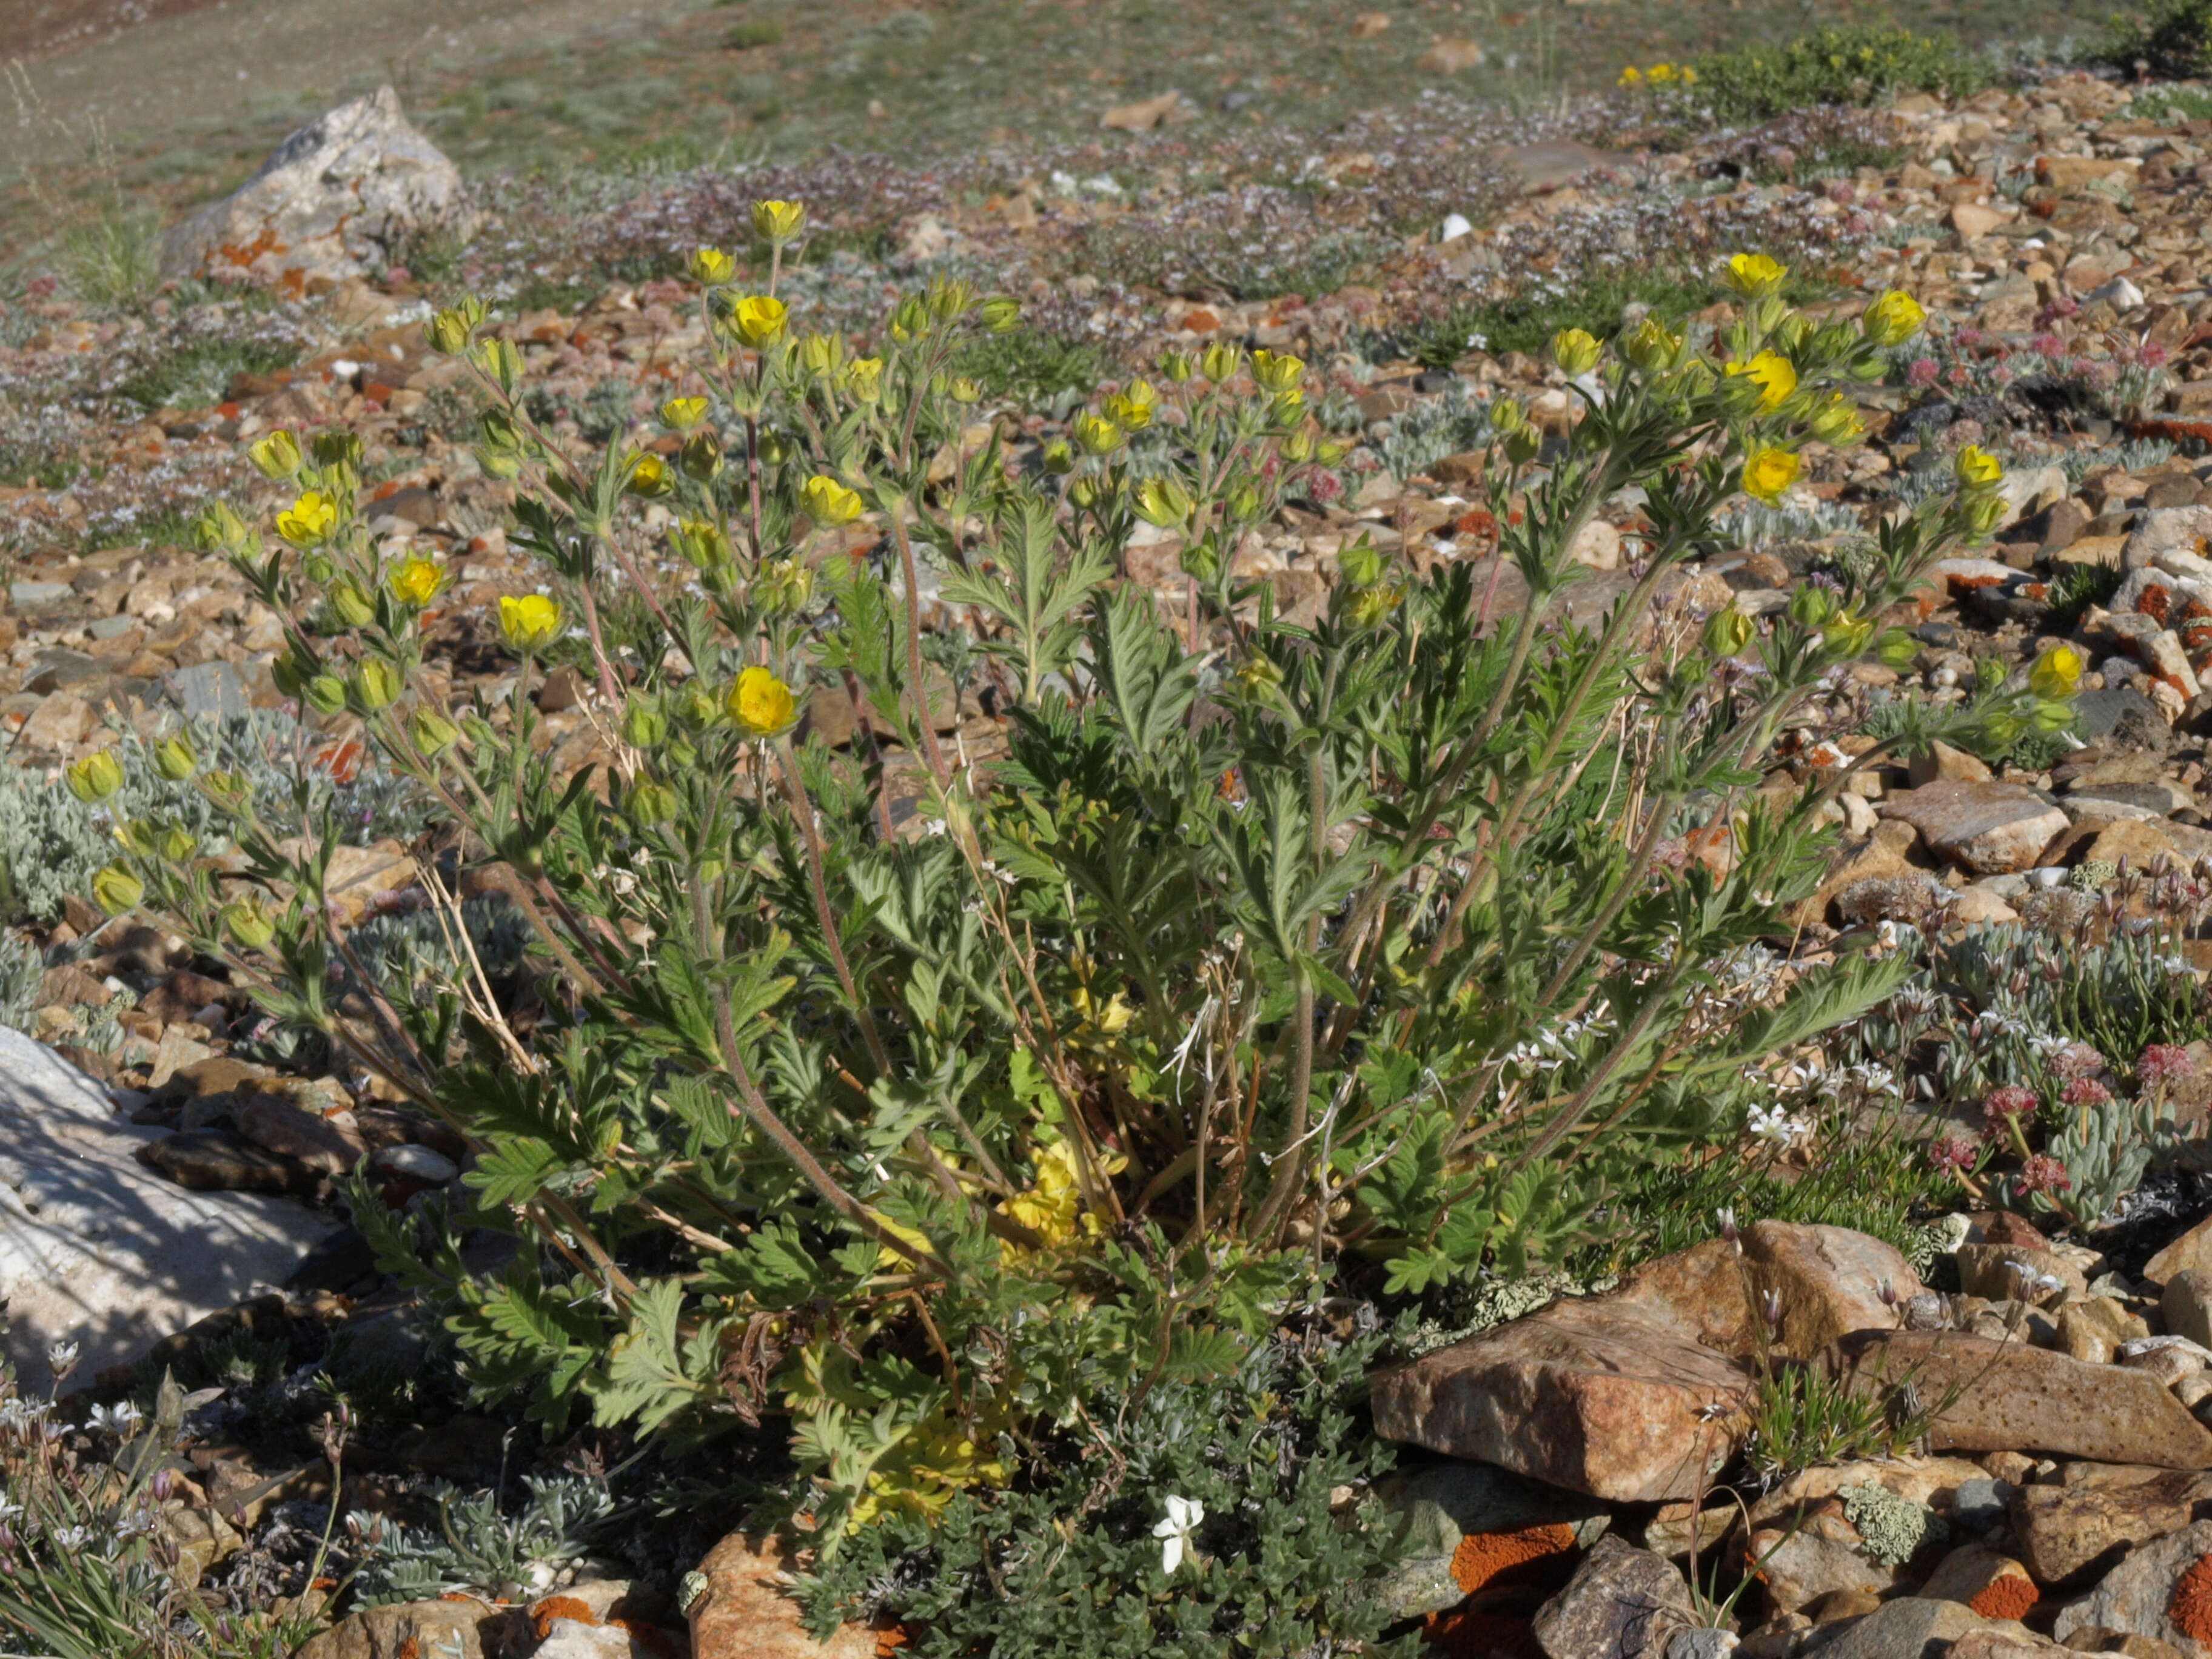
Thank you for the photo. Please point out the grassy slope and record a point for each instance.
(190, 103)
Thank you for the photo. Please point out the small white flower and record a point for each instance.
(61, 1355)
(118, 1420)
(932, 826)
(1778, 1126)
(71, 1538)
(1183, 1515)
(137, 1524)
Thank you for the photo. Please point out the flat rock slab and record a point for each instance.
(95, 1248)
(1911, 1627)
(2011, 1397)
(1608, 1397)
(1619, 1395)
(1986, 829)
(2070, 1533)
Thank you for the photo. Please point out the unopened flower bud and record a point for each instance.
(432, 732)
(1574, 350)
(175, 759)
(95, 777)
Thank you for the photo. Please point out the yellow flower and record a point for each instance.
(650, 475)
(1776, 376)
(712, 266)
(1977, 469)
(864, 378)
(828, 502)
(1277, 371)
(1132, 408)
(1754, 275)
(1631, 77)
(682, 413)
(1049, 1209)
(309, 521)
(418, 581)
(1219, 361)
(759, 320)
(117, 889)
(1096, 435)
(1768, 473)
(700, 542)
(887, 1259)
(1052, 1208)
(1651, 347)
(778, 221)
(530, 622)
(1892, 319)
(762, 704)
(2056, 673)
(248, 923)
(1662, 73)
(94, 778)
(1689, 76)
(277, 456)
(1574, 350)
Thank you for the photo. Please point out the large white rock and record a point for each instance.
(96, 1248)
(336, 199)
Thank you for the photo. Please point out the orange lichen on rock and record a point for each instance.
(543, 1613)
(2191, 1610)
(1482, 1556)
(2010, 1595)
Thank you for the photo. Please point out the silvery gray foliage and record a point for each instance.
(51, 842)
(474, 1547)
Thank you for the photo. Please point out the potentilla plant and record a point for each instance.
(924, 1098)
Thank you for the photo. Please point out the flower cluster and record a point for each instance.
(2005, 1109)
(1659, 74)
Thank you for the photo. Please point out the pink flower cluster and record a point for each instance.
(2085, 1091)
(1952, 1154)
(2163, 1063)
(2005, 1104)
